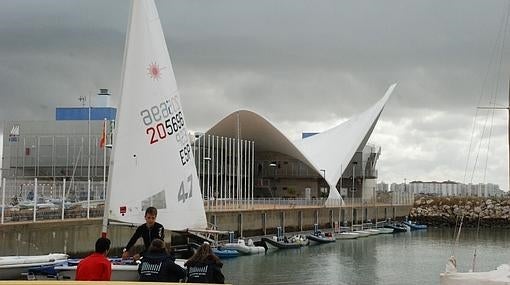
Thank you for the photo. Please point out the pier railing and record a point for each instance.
(64, 200)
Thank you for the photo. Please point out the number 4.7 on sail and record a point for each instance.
(182, 195)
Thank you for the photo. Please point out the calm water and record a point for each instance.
(404, 258)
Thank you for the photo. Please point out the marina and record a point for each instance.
(277, 203)
(415, 257)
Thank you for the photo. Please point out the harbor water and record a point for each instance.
(404, 258)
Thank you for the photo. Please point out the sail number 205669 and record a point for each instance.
(162, 130)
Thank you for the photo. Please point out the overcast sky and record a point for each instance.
(304, 65)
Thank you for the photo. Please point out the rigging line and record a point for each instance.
(496, 92)
(488, 146)
(479, 149)
(484, 86)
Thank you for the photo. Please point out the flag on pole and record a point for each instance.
(102, 140)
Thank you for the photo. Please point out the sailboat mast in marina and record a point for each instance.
(152, 162)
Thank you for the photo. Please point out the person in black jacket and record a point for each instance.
(158, 266)
(148, 231)
(204, 267)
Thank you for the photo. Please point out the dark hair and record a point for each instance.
(102, 245)
(158, 246)
(204, 254)
(152, 211)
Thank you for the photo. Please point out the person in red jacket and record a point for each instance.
(96, 267)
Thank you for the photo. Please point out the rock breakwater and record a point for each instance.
(447, 211)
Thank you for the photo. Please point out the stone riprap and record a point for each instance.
(447, 211)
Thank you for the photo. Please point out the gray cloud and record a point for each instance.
(303, 65)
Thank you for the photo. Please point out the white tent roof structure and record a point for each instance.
(330, 151)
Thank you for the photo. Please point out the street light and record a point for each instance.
(207, 159)
(352, 190)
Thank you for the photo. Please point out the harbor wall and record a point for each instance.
(77, 236)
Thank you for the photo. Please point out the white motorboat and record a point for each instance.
(243, 247)
(385, 230)
(363, 233)
(373, 231)
(347, 235)
(12, 267)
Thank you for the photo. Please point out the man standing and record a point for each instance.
(149, 231)
(96, 267)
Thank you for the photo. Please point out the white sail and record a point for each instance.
(152, 161)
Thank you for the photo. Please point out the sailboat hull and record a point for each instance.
(120, 272)
(499, 276)
(11, 267)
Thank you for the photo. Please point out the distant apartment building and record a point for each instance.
(446, 188)
(382, 187)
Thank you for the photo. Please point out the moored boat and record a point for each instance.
(12, 267)
(121, 270)
(397, 227)
(499, 276)
(320, 238)
(414, 226)
(386, 230)
(347, 235)
(373, 231)
(244, 247)
(276, 243)
(362, 233)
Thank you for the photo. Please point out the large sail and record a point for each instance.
(152, 161)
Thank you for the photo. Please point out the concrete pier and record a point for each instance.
(77, 236)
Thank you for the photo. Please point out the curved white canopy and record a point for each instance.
(331, 150)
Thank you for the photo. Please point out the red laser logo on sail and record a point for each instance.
(154, 71)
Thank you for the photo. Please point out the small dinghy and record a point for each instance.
(385, 230)
(245, 248)
(225, 253)
(276, 243)
(397, 227)
(415, 226)
(320, 238)
(11, 267)
(122, 270)
(363, 233)
(347, 235)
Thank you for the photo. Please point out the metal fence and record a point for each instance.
(70, 200)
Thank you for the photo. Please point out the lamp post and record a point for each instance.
(352, 190)
(206, 161)
(405, 190)
(273, 165)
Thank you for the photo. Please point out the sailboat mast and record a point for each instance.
(508, 134)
